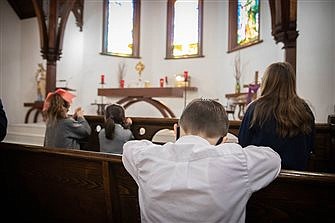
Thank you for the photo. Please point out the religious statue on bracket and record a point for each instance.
(139, 68)
(40, 77)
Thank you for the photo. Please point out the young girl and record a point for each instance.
(63, 131)
(280, 119)
(116, 131)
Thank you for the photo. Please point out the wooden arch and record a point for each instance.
(52, 16)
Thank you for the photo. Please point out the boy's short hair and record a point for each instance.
(204, 116)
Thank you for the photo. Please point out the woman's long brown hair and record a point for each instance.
(280, 101)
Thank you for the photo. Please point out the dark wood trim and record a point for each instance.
(108, 189)
(118, 55)
(105, 28)
(322, 159)
(169, 28)
(185, 57)
(136, 29)
(23, 8)
(62, 185)
(244, 46)
(78, 12)
(145, 92)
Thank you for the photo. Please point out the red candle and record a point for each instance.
(102, 79)
(185, 75)
(161, 82)
(122, 83)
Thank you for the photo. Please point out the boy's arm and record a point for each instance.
(263, 165)
(131, 149)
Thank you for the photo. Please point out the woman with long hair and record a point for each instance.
(116, 131)
(280, 119)
(63, 131)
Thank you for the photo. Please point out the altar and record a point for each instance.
(134, 95)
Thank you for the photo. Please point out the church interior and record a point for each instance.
(302, 37)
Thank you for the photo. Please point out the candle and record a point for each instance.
(161, 82)
(185, 75)
(102, 79)
(122, 83)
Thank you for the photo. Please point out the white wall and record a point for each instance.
(81, 63)
(316, 55)
(10, 64)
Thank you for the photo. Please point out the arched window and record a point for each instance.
(243, 24)
(184, 29)
(121, 31)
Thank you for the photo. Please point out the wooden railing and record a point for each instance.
(59, 185)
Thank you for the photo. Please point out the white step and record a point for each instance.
(30, 134)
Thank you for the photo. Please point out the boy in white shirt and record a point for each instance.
(199, 178)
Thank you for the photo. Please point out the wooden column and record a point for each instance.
(284, 26)
(52, 16)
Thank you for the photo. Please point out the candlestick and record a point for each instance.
(166, 80)
(256, 77)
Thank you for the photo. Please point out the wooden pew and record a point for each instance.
(142, 128)
(58, 185)
(295, 196)
(322, 159)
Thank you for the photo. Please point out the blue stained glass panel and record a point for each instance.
(247, 21)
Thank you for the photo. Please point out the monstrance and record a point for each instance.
(139, 68)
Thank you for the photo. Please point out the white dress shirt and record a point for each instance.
(193, 181)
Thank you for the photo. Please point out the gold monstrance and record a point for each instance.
(139, 68)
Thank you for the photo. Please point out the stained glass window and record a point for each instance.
(247, 21)
(184, 30)
(121, 35)
(244, 22)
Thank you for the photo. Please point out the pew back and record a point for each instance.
(58, 185)
(322, 159)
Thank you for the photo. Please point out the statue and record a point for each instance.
(40, 78)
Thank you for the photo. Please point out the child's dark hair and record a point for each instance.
(204, 116)
(114, 114)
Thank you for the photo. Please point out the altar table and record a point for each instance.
(134, 95)
(239, 99)
(37, 106)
